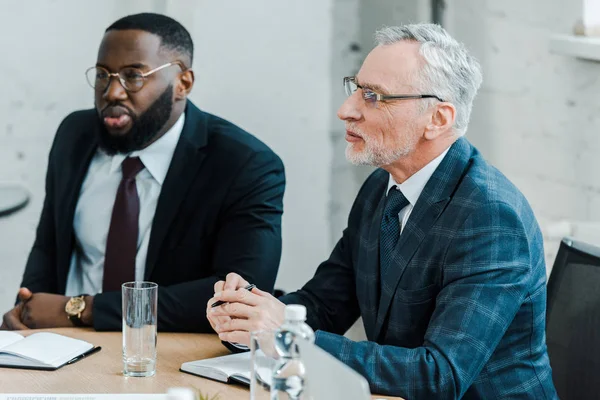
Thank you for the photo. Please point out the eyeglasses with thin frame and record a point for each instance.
(131, 78)
(371, 97)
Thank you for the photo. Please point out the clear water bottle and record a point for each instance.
(288, 381)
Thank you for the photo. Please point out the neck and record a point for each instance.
(423, 154)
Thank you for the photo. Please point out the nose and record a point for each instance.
(350, 109)
(114, 91)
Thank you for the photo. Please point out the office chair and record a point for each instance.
(573, 320)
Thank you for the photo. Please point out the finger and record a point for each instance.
(236, 325)
(236, 337)
(236, 310)
(210, 302)
(12, 321)
(24, 294)
(214, 321)
(219, 286)
(262, 293)
(234, 281)
(238, 296)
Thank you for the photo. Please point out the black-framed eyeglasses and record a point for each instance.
(371, 97)
(132, 79)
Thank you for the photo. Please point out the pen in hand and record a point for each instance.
(220, 302)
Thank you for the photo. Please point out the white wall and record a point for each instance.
(537, 116)
(45, 51)
(256, 64)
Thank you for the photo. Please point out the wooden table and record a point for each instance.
(102, 372)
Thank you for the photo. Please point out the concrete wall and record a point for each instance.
(46, 50)
(537, 116)
(256, 64)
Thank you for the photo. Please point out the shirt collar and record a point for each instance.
(414, 185)
(156, 157)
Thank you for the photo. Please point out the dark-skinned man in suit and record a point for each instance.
(148, 187)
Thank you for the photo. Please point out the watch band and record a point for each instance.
(76, 320)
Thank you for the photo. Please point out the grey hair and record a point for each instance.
(449, 71)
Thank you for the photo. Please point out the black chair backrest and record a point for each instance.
(573, 320)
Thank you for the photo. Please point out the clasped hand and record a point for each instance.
(244, 311)
(36, 311)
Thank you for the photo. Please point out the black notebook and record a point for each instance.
(44, 350)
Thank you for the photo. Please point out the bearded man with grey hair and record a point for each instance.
(442, 257)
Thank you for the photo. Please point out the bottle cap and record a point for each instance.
(295, 312)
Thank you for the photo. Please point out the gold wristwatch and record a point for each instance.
(74, 308)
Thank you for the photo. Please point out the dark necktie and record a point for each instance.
(390, 228)
(121, 244)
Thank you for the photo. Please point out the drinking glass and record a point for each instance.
(139, 328)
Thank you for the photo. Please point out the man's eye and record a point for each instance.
(368, 95)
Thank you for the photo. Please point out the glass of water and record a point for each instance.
(139, 328)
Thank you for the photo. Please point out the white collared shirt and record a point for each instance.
(94, 209)
(413, 186)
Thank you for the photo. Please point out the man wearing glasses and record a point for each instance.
(442, 256)
(148, 187)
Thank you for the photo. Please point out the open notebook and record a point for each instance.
(233, 368)
(44, 350)
(228, 369)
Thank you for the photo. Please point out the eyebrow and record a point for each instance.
(134, 65)
(373, 86)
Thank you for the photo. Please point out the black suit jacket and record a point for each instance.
(219, 211)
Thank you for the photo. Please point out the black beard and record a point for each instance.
(143, 128)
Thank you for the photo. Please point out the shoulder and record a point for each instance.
(231, 141)
(73, 125)
(486, 201)
(78, 120)
(484, 184)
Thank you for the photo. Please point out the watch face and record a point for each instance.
(75, 306)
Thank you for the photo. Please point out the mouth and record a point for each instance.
(116, 118)
(352, 137)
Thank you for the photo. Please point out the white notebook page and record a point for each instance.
(48, 348)
(7, 338)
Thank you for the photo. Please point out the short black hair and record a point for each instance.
(172, 34)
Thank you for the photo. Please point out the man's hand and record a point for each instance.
(233, 281)
(12, 319)
(246, 312)
(45, 310)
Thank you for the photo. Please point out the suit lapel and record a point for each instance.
(431, 203)
(187, 159)
(369, 263)
(81, 156)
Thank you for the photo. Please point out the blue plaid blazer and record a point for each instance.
(462, 312)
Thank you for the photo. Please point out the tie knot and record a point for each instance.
(131, 167)
(395, 201)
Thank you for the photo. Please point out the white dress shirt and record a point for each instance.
(94, 209)
(413, 186)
